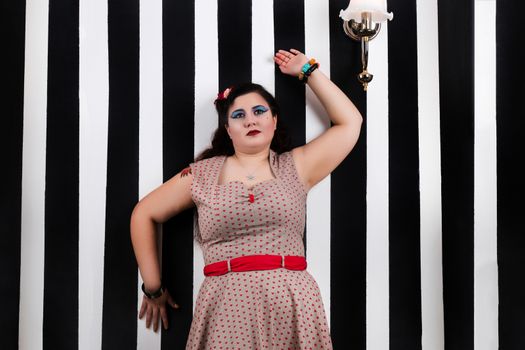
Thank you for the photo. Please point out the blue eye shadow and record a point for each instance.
(260, 109)
(237, 113)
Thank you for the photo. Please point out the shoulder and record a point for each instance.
(285, 166)
(204, 163)
(283, 159)
(297, 158)
(203, 170)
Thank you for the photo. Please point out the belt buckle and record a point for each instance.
(282, 261)
(229, 265)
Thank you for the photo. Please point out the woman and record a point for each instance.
(250, 193)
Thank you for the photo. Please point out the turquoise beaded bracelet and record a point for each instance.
(307, 69)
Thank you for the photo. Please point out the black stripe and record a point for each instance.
(235, 41)
(119, 323)
(61, 200)
(511, 185)
(348, 202)
(12, 26)
(289, 92)
(178, 141)
(456, 80)
(404, 217)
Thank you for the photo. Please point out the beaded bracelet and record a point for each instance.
(305, 68)
(306, 74)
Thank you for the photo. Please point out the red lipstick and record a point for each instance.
(253, 132)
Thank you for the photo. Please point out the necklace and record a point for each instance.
(251, 174)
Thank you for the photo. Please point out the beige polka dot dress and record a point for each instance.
(269, 309)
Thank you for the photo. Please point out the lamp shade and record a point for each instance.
(376, 7)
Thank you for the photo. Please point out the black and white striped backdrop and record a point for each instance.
(416, 240)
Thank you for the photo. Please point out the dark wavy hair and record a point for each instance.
(221, 144)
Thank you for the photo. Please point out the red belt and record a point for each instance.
(255, 262)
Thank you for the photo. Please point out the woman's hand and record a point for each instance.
(153, 308)
(290, 62)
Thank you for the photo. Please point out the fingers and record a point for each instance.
(164, 317)
(155, 319)
(149, 312)
(283, 57)
(280, 55)
(142, 309)
(279, 61)
(290, 62)
(156, 312)
(152, 316)
(289, 54)
(172, 303)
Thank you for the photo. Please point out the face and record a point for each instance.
(251, 125)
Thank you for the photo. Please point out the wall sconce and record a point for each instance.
(362, 22)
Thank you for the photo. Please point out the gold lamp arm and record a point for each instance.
(363, 32)
(364, 77)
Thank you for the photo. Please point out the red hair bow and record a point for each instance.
(223, 94)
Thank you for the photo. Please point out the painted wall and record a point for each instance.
(415, 240)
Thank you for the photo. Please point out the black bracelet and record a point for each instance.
(155, 294)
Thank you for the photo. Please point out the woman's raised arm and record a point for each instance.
(319, 157)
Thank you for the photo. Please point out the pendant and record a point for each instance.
(250, 177)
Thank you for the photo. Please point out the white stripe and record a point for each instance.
(206, 89)
(377, 253)
(150, 132)
(94, 95)
(430, 176)
(263, 67)
(317, 39)
(33, 176)
(485, 184)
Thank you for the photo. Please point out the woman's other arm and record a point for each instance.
(167, 200)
